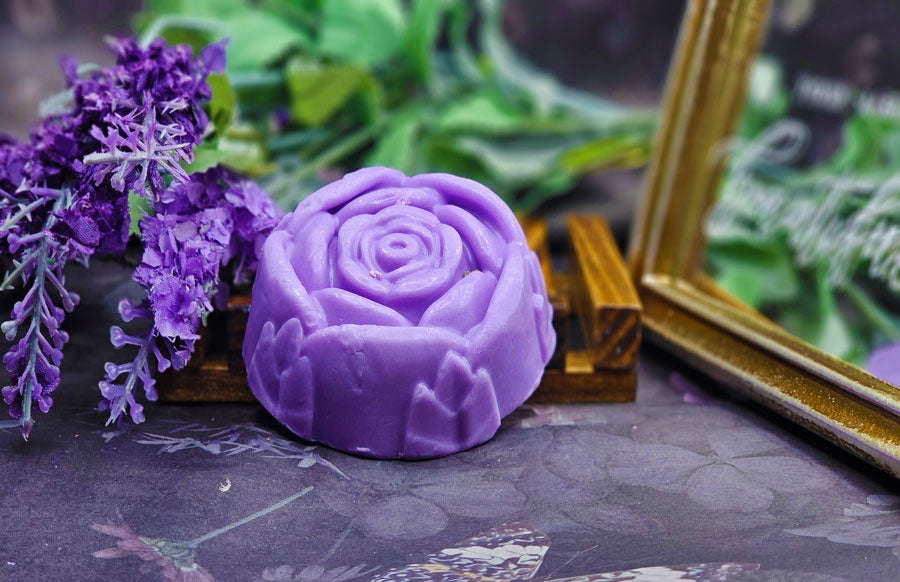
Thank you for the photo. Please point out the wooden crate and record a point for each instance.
(594, 299)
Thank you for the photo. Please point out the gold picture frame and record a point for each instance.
(683, 309)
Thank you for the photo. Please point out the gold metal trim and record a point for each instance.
(683, 310)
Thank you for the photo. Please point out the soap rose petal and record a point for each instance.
(543, 312)
(397, 317)
(342, 307)
(306, 259)
(485, 246)
(339, 193)
(476, 199)
(279, 294)
(371, 203)
(284, 375)
(464, 305)
(461, 403)
(507, 333)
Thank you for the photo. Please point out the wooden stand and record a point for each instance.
(596, 315)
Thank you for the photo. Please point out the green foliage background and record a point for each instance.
(762, 267)
(421, 86)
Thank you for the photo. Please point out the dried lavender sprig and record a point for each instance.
(141, 145)
(33, 362)
(129, 127)
(237, 439)
(119, 396)
(214, 219)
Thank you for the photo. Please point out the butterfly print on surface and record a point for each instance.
(515, 552)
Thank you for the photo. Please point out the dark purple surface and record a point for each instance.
(683, 476)
(397, 317)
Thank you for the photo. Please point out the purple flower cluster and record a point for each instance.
(215, 220)
(250, 212)
(33, 361)
(29, 216)
(141, 114)
(64, 197)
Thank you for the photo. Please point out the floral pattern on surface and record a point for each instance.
(420, 501)
(512, 552)
(568, 488)
(743, 470)
(176, 558)
(234, 440)
(316, 574)
(874, 523)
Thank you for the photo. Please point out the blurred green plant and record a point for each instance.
(797, 242)
(318, 86)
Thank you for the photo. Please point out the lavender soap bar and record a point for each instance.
(397, 317)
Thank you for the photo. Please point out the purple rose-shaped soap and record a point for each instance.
(397, 317)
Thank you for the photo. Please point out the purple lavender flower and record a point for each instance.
(142, 113)
(216, 220)
(13, 158)
(33, 361)
(119, 395)
(252, 212)
(63, 197)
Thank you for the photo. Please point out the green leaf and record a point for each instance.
(246, 156)
(480, 113)
(461, 53)
(422, 35)
(258, 38)
(552, 185)
(192, 22)
(759, 274)
(397, 147)
(543, 90)
(514, 162)
(318, 91)
(137, 208)
(205, 157)
(621, 151)
(302, 13)
(366, 32)
(820, 321)
(222, 102)
(217, 9)
(368, 102)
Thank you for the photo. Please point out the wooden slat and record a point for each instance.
(536, 236)
(604, 296)
(211, 381)
(605, 386)
(235, 325)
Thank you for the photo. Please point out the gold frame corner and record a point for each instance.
(687, 313)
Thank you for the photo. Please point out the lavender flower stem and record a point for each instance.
(33, 334)
(14, 274)
(133, 374)
(26, 211)
(194, 543)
